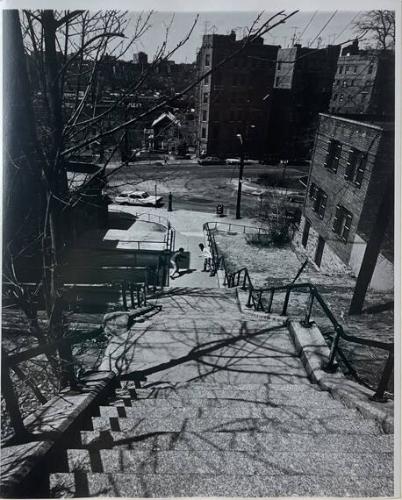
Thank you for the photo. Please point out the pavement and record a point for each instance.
(189, 234)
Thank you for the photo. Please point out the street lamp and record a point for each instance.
(238, 202)
(240, 137)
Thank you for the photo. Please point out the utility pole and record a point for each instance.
(240, 137)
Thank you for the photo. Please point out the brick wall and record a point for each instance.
(340, 191)
(330, 262)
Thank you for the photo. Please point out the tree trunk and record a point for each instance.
(372, 249)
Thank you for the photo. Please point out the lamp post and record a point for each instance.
(240, 137)
(238, 202)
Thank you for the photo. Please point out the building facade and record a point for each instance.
(302, 89)
(350, 167)
(364, 83)
(234, 99)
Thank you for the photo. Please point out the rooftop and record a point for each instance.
(366, 120)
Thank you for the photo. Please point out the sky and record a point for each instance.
(303, 27)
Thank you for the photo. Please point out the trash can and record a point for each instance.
(219, 209)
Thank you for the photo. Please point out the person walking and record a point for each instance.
(174, 259)
(207, 257)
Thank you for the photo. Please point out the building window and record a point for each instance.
(340, 69)
(344, 83)
(342, 222)
(207, 59)
(203, 133)
(319, 198)
(205, 98)
(340, 97)
(333, 154)
(355, 69)
(355, 167)
(279, 66)
(204, 115)
(277, 80)
(347, 69)
(206, 80)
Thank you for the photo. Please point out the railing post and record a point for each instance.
(244, 281)
(382, 386)
(332, 366)
(271, 299)
(238, 279)
(286, 303)
(250, 296)
(124, 290)
(138, 297)
(259, 303)
(144, 295)
(306, 321)
(132, 296)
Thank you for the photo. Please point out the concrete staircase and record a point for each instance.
(226, 410)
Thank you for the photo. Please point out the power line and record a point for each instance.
(344, 29)
(325, 25)
(308, 24)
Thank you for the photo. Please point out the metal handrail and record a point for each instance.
(233, 279)
(244, 227)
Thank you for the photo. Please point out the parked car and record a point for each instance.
(211, 160)
(137, 198)
(236, 161)
(150, 155)
(232, 161)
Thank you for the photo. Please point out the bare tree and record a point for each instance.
(61, 109)
(379, 25)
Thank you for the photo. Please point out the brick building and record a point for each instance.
(302, 89)
(364, 82)
(352, 161)
(234, 98)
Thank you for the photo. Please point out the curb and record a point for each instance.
(313, 351)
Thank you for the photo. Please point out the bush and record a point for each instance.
(259, 240)
(276, 179)
(279, 234)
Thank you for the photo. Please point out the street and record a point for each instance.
(200, 187)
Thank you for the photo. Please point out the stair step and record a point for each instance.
(228, 462)
(245, 410)
(314, 400)
(238, 374)
(296, 424)
(217, 485)
(253, 442)
(205, 390)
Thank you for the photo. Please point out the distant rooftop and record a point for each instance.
(367, 120)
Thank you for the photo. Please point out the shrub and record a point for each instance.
(259, 240)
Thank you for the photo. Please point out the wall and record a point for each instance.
(349, 133)
(330, 262)
(235, 96)
(383, 276)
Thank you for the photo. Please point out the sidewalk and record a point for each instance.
(189, 235)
